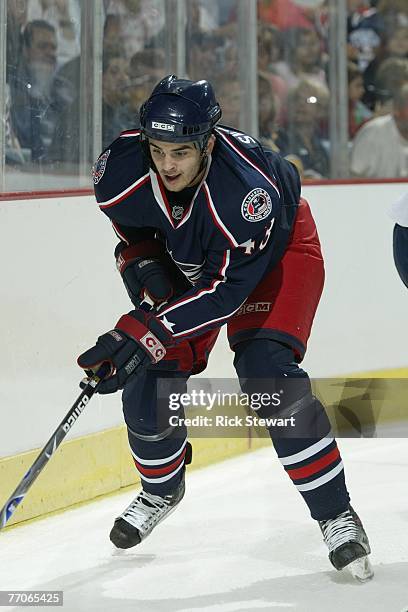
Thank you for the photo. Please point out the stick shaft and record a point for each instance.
(51, 446)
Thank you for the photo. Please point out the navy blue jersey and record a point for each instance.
(234, 231)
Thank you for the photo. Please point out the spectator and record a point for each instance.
(65, 17)
(14, 154)
(391, 75)
(115, 97)
(392, 13)
(358, 112)
(146, 69)
(269, 53)
(363, 32)
(206, 56)
(140, 21)
(116, 113)
(395, 45)
(112, 39)
(266, 112)
(304, 59)
(269, 46)
(307, 106)
(16, 21)
(284, 14)
(229, 96)
(380, 148)
(65, 99)
(30, 83)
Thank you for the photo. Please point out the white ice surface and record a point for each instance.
(241, 539)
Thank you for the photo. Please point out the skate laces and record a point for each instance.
(143, 510)
(340, 530)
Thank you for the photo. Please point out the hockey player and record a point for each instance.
(399, 214)
(208, 220)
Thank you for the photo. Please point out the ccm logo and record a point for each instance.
(154, 346)
(162, 126)
(254, 307)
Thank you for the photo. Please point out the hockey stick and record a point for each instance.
(53, 443)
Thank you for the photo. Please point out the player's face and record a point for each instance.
(177, 163)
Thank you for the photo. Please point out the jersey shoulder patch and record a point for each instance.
(242, 195)
(117, 168)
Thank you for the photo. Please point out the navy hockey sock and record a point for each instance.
(307, 451)
(159, 451)
(160, 464)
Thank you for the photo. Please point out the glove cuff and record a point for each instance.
(143, 336)
(127, 255)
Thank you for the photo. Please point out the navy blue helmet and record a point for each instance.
(180, 110)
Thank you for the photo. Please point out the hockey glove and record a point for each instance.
(144, 277)
(138, 340)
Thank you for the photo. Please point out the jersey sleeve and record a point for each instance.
(229, 276)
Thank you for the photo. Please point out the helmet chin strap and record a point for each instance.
(201, 168)
(204, 157)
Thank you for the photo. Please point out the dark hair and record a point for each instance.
(39, 24)
(293, 37)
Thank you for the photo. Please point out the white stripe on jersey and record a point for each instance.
(226, 316)
(202, 292)
(218, 220)
(124, 192)
(159, 197)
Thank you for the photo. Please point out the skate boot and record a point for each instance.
(348, 544)
(142, 515)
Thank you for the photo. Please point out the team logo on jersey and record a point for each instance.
(99, 167)
(257, 205)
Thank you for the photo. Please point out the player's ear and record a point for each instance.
(210, 144)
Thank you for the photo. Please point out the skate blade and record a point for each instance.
(361, 569)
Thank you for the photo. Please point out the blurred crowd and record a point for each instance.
(44, 66)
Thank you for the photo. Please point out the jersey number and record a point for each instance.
(251, 245)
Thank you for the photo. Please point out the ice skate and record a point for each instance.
(348, 544)
(142, 515)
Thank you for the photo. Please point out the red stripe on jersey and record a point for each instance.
(119, 233)
(123, 195)
(160, 471)
(130, 133)
(316, 466)
(165, 200)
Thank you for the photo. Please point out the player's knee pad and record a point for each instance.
(268, 372)
(266, 365)
(146, 405)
